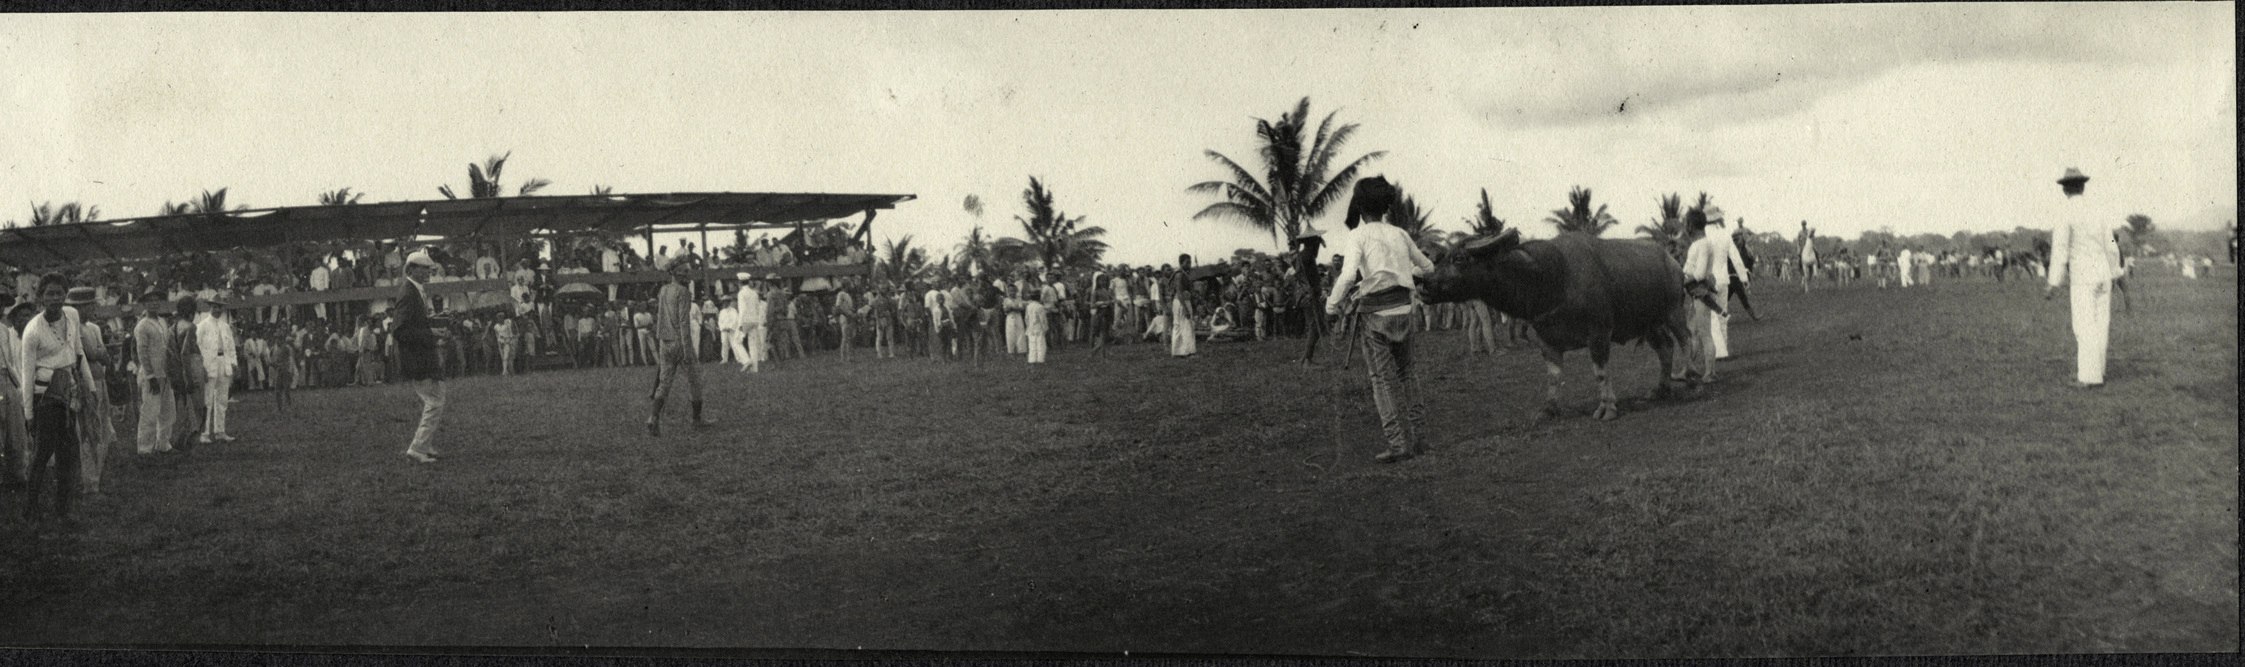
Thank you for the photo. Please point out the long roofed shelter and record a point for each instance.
(483, 219)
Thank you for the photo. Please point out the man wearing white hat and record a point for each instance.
(1712, 259)
(416, 335)
(2082, 249)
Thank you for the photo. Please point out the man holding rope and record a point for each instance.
(1379, 264)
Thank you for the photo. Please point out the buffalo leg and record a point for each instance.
(1664, 345)
(1600, 351)
(1551, 357)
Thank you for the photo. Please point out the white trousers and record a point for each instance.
(432, 412)
(2092, 320)
(1719, 328)
(1181, 341)
(1036, 346)
(216, 393)
(157, 413)
(732, 350)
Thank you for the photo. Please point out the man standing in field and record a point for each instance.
(1711, 260)
(674, 336)
(2082, 250)
(1380, 264)
(417, 353)
(1807, 241)
(152, 363)
(215, 337)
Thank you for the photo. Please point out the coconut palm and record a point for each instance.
(340, 197)
(900, 261)
(1055, 239)
(483, 182)
(212, 203)
(1297, 181)
(976, 250)
(1408, 215)
(1485, 221)
(49, 213)
(601, 190)
(1579, 217)
(1668, 229)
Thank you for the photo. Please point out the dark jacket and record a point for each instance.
(416, 336)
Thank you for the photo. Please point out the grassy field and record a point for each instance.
(1879, 472)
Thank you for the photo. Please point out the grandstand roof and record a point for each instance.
(493, 218)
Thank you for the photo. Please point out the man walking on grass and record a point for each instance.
(673, 335)
(2083, 250)
(1380, 263)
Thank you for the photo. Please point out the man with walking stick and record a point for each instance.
(1379, 265)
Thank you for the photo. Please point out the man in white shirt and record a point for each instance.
(610, 262)
(52, 350)
(214, 334)
(1379, 267)
(729, 333)
(2083, 250)
(752, 315)
(932, 300)
(1712, 259)
(1907, 262)
(319, 283)
(152, 366)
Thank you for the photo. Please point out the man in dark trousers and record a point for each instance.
(418, 362)
(1308, 275)
(674, 354)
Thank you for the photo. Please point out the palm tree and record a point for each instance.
(340, 197)
(1055, 239)
(976, 250)
(1668, 229)
(48, 213)
(1295, 186)
(900, 261)
(601, 190)
(1485, 221)
(212, 203)
(1407, 215)
(1579, 217)
(483, 182)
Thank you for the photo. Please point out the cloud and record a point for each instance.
(1715, 65)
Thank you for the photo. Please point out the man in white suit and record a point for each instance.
(750, 303)
(215, 336)
(1713, 259)
(2082, 249)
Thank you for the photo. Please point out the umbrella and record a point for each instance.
(579, 292)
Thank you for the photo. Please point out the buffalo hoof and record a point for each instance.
(1606, 412)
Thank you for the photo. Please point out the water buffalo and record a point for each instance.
(1577, 292)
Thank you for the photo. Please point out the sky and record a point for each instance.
(1912, 117)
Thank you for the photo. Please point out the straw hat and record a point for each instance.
(78, 296)
(2073, 176)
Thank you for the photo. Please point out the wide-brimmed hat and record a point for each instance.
(79, 296)
(2073, 176)
(1714, 215)
(743, 276)
(1373, 198)
(421, 258)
